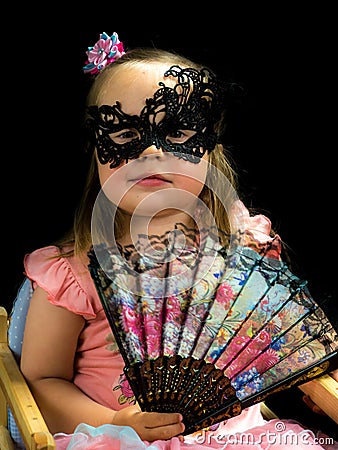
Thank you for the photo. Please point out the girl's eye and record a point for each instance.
(125, 136)
(179, 136)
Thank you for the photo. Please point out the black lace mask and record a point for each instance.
(190, 109)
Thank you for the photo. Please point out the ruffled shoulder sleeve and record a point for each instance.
(66, 280)
(256, 231)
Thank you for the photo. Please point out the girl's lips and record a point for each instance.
(151, 180)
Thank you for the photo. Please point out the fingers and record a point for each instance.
(334, 374)
(162, 426)
(155, 419)
(315, 408)
(150, 426)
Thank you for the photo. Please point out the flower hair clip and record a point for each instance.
(106, 50)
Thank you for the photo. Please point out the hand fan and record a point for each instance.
(207, 329)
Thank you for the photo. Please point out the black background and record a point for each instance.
(282, 135)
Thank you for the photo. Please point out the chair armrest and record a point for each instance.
(266, 412)
(324, 392)
(6, 442)
(20, 400)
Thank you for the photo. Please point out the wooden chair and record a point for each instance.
(15, 394)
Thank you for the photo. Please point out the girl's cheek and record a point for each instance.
(105, 172)
(192, 177)
(189, 184)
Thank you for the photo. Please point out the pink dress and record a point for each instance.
(99, 366)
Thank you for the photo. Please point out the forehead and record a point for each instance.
(131, 86)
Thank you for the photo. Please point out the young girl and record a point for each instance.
(154, 121)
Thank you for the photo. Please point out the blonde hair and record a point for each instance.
(79, 237)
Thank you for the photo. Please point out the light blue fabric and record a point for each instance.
(18, 318)
(104, 437)
(15, 336)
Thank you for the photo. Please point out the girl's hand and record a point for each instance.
(150, 426)
(315, 408)
(312, 405)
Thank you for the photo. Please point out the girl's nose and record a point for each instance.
(152, 150)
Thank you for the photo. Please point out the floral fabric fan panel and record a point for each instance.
(208, 326)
